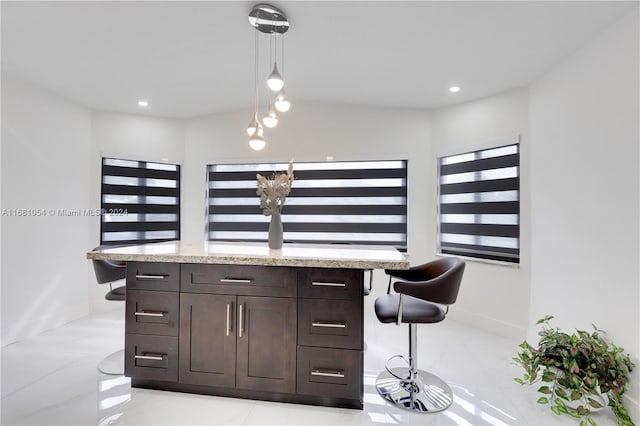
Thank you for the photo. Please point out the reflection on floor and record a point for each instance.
(52, 379)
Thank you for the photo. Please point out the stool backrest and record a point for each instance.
(437, 281)
(108, 271)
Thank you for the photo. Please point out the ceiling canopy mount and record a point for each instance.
(268, 19)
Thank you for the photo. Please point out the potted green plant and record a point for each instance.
(575, 370)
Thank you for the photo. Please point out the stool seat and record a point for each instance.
(118, 293)
(413, 310)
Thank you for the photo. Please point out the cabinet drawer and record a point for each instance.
(151, 357)
(153, 276)
(330, 323)
(241, 280)
(330, 372)
(329, 283)
(152, 312)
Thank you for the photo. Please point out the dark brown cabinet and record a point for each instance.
(207, 340)
(266, 359)
(151, 321)
(267, 332)
(244, 342)
(330, 328)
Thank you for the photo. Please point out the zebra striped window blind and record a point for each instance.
(140, 202)
(479, 204)
(358, 202)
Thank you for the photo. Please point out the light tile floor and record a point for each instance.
(52, 379)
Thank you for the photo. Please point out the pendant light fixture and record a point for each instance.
(267, 19)
(271, 118)
(254, 130)
(275, 81)
(282, 103)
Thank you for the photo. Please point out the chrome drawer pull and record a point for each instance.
(236, 280)
(338, 374)
(150, 277)
(318, 283)
(154, 357)
(240, 321)
(328, 324)
(228, 309)
(150, 314)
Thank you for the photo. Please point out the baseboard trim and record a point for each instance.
(488, 324)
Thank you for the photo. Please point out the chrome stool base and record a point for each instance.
(427, 393)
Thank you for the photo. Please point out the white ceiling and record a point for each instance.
(194, 58)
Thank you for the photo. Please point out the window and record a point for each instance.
(359, 202)
(479, 204)
(140, 202)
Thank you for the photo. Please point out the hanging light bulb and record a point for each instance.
(253, 125)
(275, 81)
(282, 103)
(256, 141)
(271, 118)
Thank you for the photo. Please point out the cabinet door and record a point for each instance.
(266, 344)
(207, 339)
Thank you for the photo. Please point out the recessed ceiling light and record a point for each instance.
(454, 89)
(143, 103)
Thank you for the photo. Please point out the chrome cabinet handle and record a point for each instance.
(150, 277)
(327, 373)
(236, 280)
(152, 357)
(150, 313)
(228, 311)
(240, 321)
(322, 284)
(328, 324)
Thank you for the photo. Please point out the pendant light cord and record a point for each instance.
(255, 75)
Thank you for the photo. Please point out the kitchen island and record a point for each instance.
(241, 320)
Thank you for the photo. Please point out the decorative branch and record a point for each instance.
(273, 192)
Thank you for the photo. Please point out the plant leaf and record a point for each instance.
(561, 393)
(561, 406)
(543, 400)
(548, 376)
(594, 403)
(545, 390)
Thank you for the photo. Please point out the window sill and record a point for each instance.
(479, 260)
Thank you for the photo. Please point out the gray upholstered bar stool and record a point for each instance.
(424, 295)
(108, 272)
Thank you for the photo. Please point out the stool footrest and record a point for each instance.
(394, 374)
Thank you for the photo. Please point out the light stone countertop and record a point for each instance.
(239, 253)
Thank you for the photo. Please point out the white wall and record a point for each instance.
(132, 137)
(492, 296)
(45, 148)
(584, 162)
